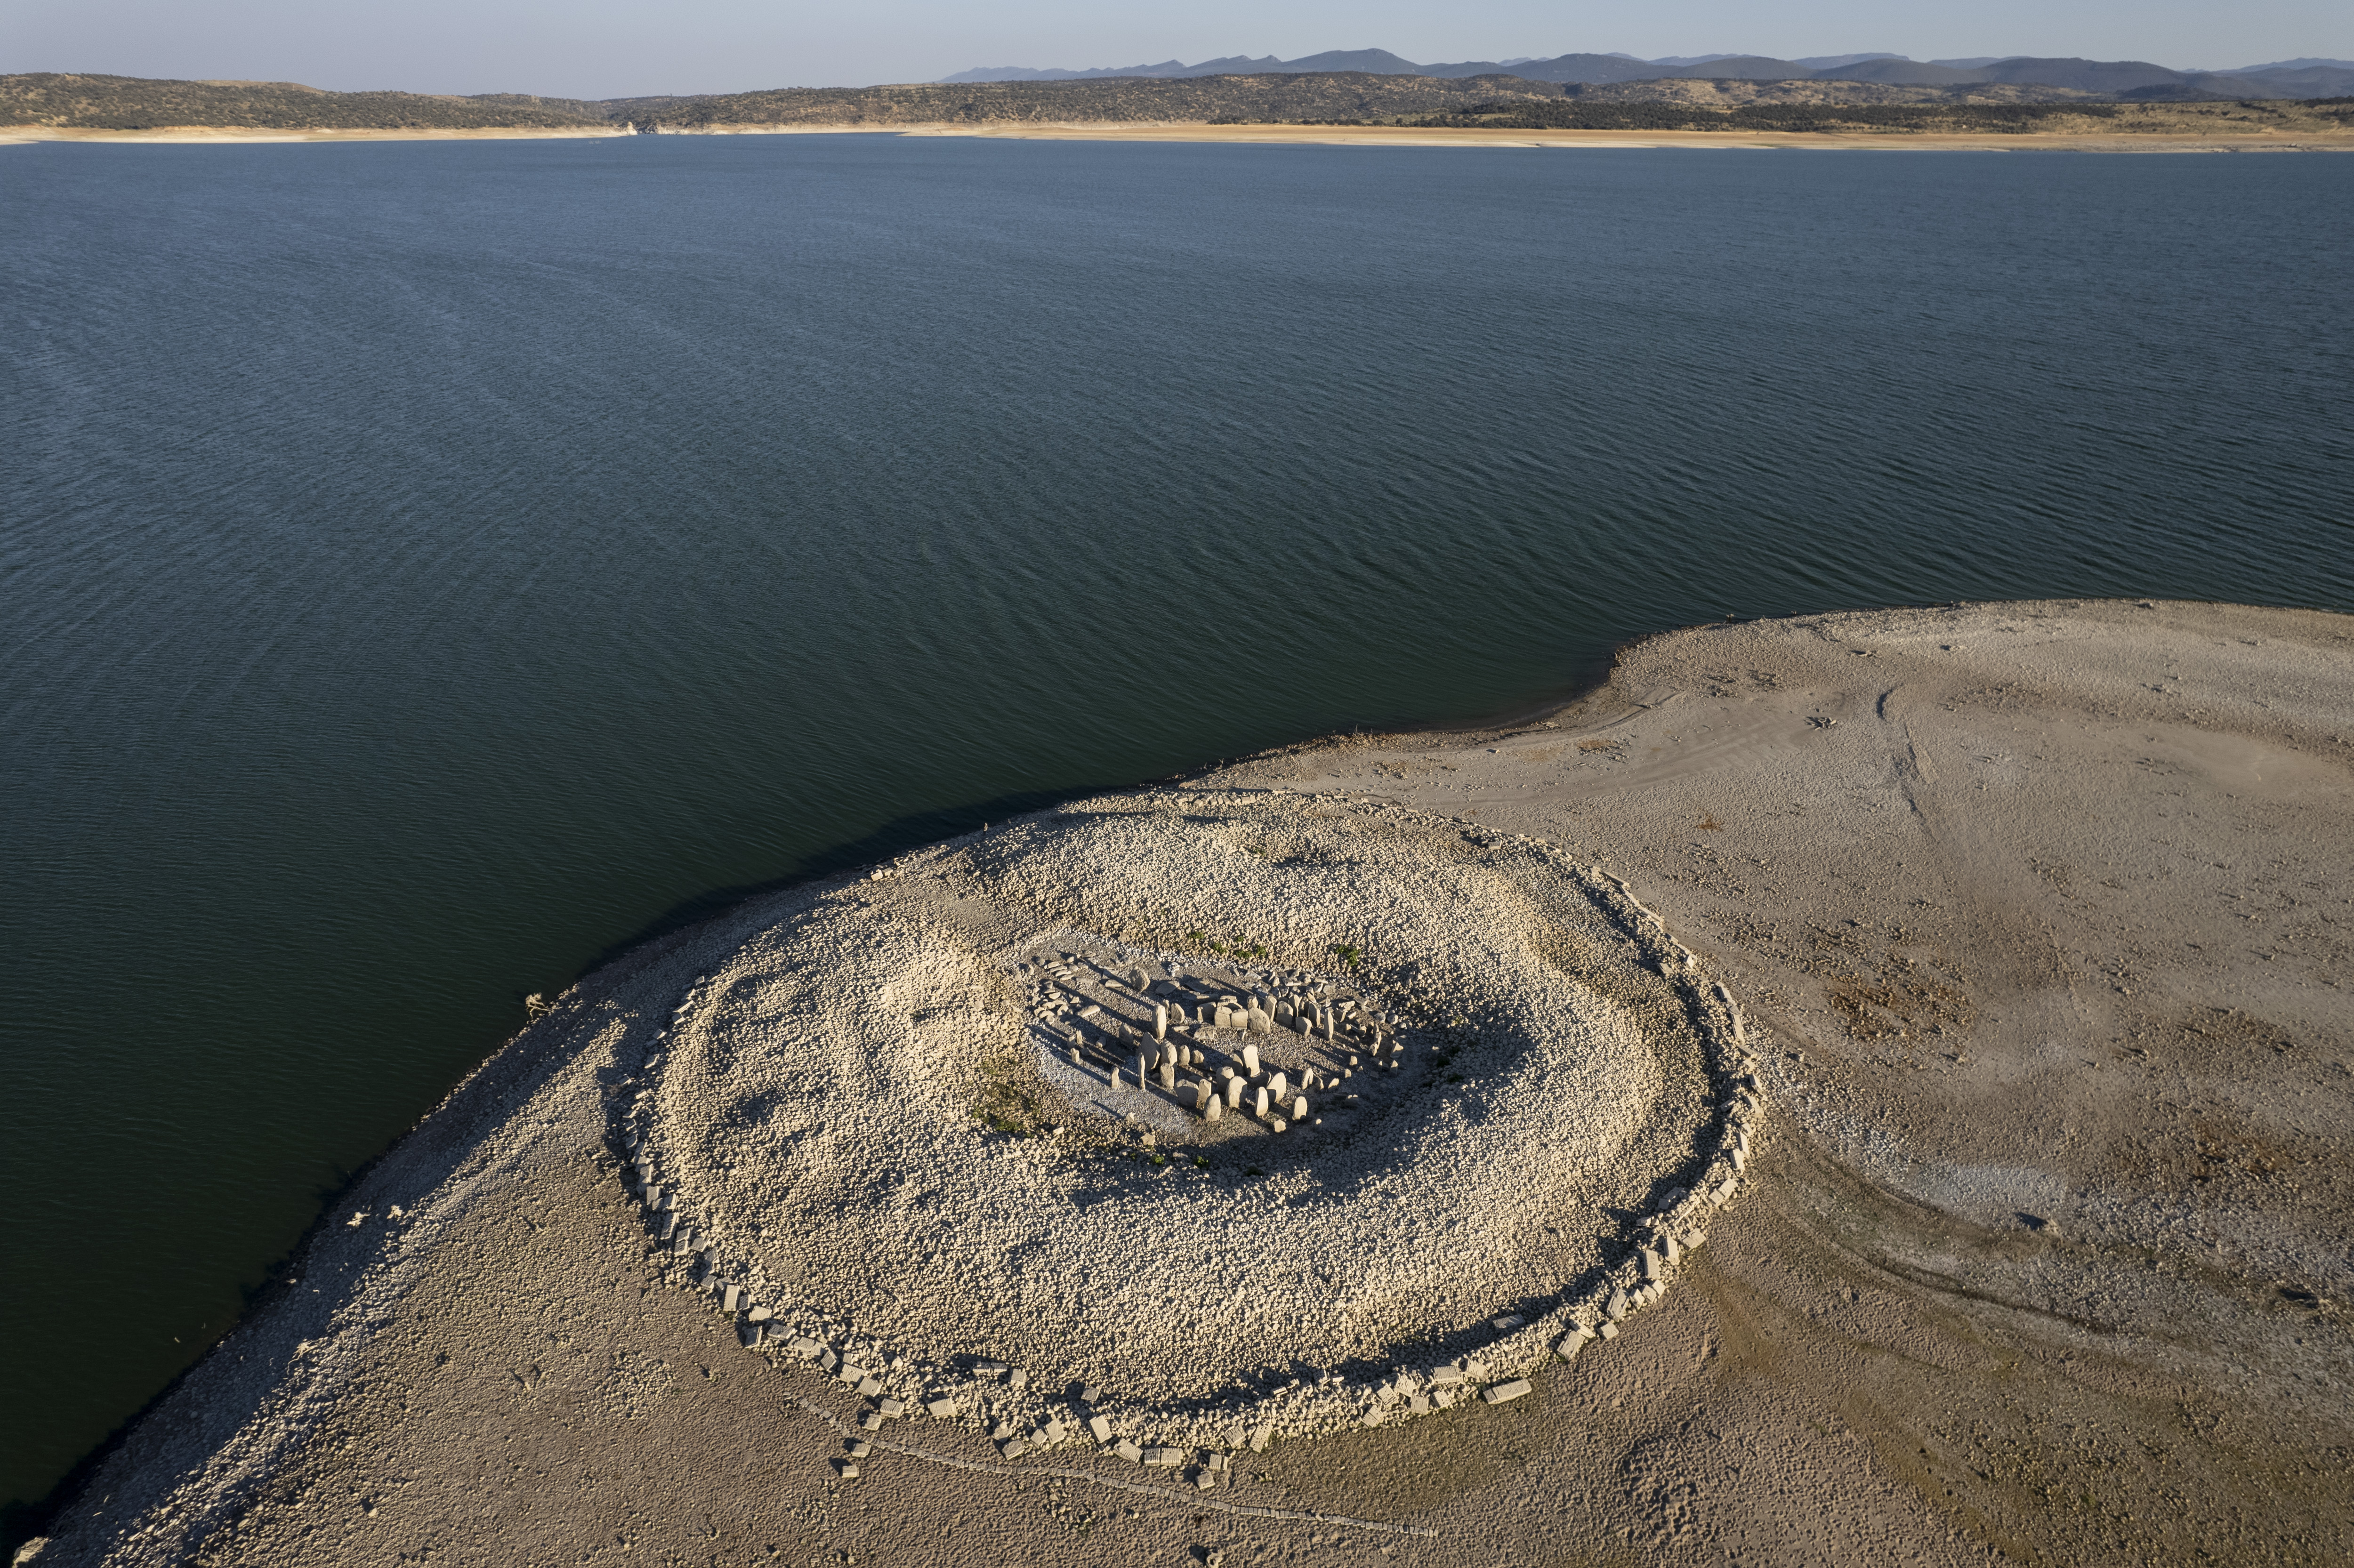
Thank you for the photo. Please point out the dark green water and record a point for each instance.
(424, 568)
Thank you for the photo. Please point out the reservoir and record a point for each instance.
(427, 569)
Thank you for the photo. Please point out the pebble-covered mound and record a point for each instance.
(1187, 1120)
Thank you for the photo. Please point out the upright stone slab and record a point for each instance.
(1250, 1061)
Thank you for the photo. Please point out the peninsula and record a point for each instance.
(1858, 1085)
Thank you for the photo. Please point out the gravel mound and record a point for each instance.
(1188, 1119)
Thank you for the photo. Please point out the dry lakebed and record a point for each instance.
(1870, 1086)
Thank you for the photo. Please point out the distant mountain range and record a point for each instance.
(2129, 79)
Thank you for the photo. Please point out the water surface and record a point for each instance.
(422, 567)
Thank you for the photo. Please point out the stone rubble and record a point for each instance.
(1186, 1028)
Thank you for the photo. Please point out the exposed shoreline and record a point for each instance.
(2031, 908)
(1265, 135)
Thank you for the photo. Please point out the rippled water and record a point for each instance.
(424, 568)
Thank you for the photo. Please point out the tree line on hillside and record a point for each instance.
(1941, 118)
(133, 103)
(139, 103)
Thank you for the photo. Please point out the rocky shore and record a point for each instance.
(2013, 934)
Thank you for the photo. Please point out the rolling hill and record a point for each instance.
(2282, 78)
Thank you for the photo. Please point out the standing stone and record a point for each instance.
(1278, 1085)
(1141, 1069)
(1300, 1108)
(1258, 1102)
(1234, 1088)
(1159, 1023)
(1210, 1111)
(1250, 1061)
(1169, 1075)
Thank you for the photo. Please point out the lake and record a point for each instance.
(425, 568)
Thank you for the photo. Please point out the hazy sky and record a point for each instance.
(601, 49)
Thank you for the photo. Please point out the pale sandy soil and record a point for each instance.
(2039, 915)
(1304, 135)
(232, 135)
(1387, 136)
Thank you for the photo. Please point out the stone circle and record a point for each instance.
(1185, 1120)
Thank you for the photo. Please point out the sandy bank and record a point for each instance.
(1291, 135)
(202, 136)
(2038, 917)
(1386, 136)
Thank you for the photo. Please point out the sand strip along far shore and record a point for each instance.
(2037, 916)
(1278, 136)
